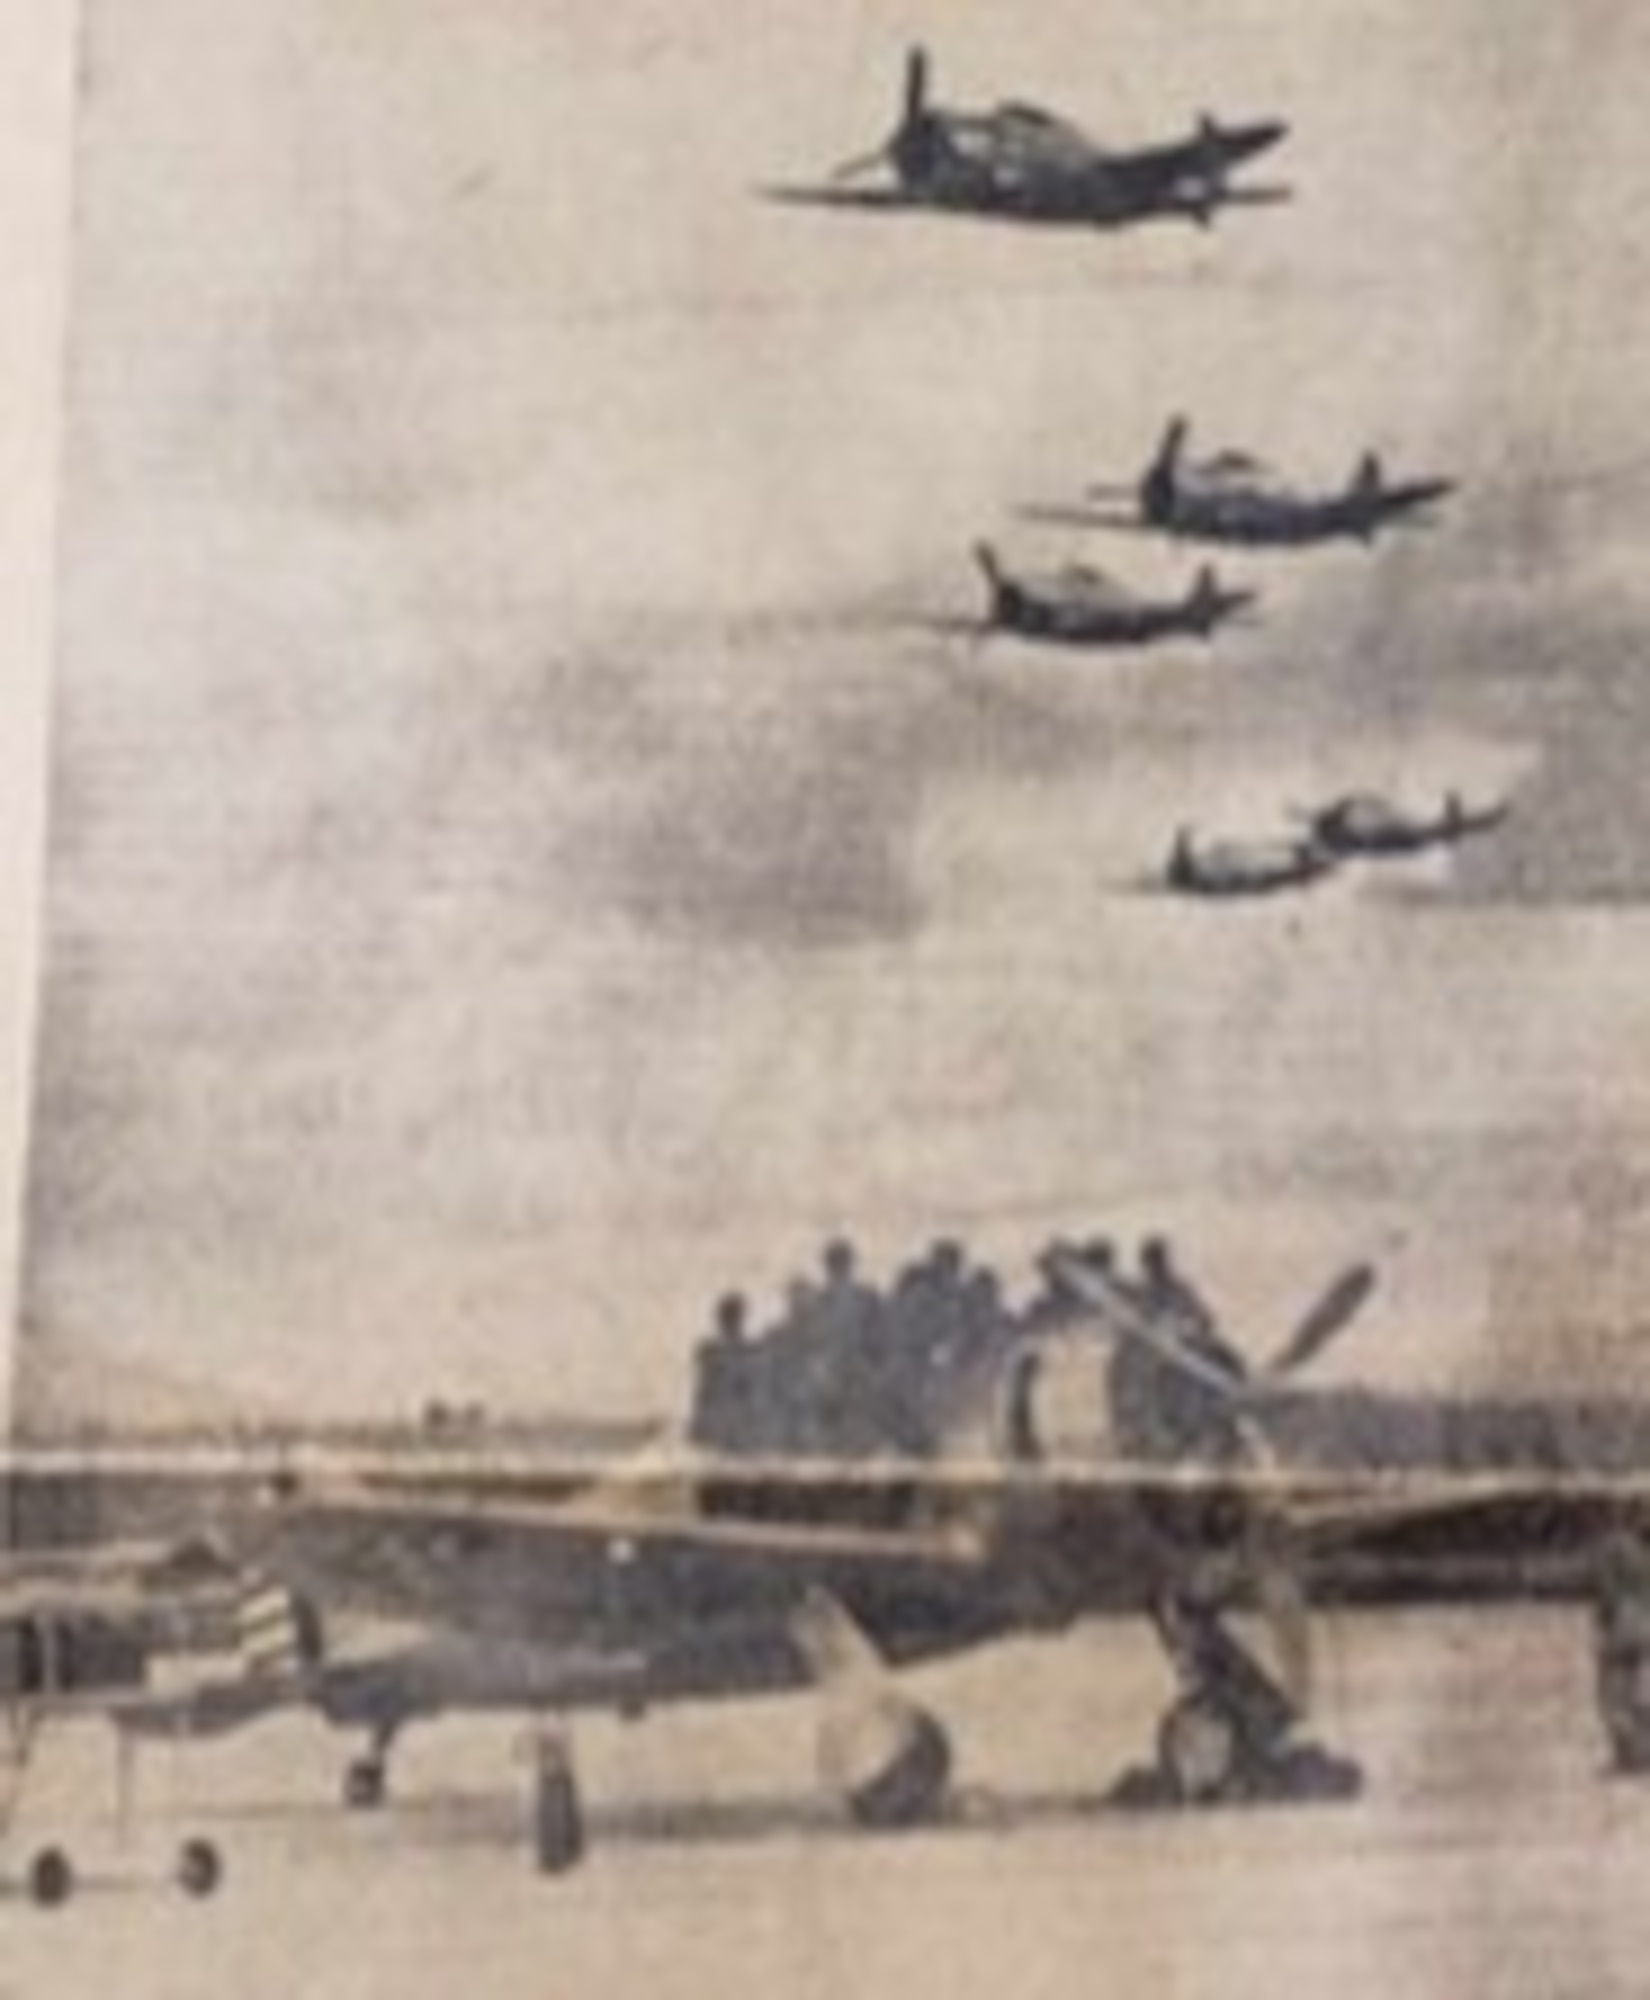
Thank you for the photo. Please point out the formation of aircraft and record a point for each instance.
(1021, 163)
(1081, 606)
(695, 1579)
(1359, 826)
(1018, 163)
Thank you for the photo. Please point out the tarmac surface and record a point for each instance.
(1488, 1854)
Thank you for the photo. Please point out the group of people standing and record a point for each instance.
(849, 1368)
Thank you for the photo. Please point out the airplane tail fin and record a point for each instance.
(1001, 589)
(277, 1645)
(1211, 603)
(1182, 869)
(1160, 484)
(277, 1634)
(1211, 151)
(1369, 480)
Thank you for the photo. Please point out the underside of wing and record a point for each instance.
(883, 200)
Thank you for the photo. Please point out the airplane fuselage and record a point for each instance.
(1257, 520)
(1029, 613)
(1230, 868)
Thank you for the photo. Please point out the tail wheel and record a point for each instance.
(51, 1878)
(1198, 1749)
(366, 1784)
(199, 1870)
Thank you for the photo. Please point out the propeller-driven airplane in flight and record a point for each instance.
(1018, 163)
(1246, 868)
(1239, 869)
(1365, 826)
(1231, 498)
(1082, 606)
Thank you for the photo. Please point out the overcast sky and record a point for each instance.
(523, 858)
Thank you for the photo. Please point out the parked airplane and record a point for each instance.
(711, 1580)
(1363, 825)
(683, 1578)
(1232, 498)
(1018, 163)
(1079, 606)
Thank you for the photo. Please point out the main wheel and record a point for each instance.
(1198, 1749)
(51, 1878)
(558, 1818)
(366, 1784)
(199, 1869)
(909, 1787)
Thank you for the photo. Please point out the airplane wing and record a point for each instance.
(112, 1598)
(1122, 520)
(515, 1564)
(504, 1558)
(883, 200)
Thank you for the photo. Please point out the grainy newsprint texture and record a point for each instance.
(844, 1007)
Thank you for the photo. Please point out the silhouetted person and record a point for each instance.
(723, 1404)
(1160, 1410)
(1165, 1289)
(1060, 1303)
(846, 1330)
(1025, 1446)
(923, 1345)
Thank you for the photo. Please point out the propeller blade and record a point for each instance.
(1332, 1314)
(862, 163)
(1117, 1315)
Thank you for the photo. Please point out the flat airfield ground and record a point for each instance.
(1488, 1854)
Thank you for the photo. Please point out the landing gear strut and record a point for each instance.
(1621, 1652)
(1229, 1736)
(889, 1761)
(557, 1814)
(367, 1780)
